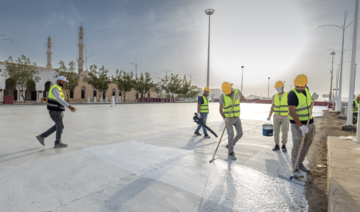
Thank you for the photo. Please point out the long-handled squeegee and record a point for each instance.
(291, 178)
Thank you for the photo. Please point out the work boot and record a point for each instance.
(283, 148)
(298, 174)
(206, 136)
(276, 148)
(227, 146)
(40, 139)
(303, 168)
(232, 156)
(197, 133)
(60, 145)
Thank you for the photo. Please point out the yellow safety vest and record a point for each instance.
(53, 104)
(204, 108)
(281, 105)
(303, 108)
(356, 105)
(228, 102)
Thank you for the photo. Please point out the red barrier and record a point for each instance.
(8, 100)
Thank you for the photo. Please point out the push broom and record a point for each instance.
(291, 178)
(213, 158)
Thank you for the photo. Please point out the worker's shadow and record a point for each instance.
(3, 157)
(192, 144)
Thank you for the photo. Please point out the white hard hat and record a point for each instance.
(62, 78)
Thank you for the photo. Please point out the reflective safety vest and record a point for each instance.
(281, 105)
(204, 108)
(53, 104)
(356, 105)
(228, 102)
(303, 108)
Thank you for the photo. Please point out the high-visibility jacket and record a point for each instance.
(281, 105)
(356, 105)
(53, 104)
(228, 102)
(204, 108)
(303, 108)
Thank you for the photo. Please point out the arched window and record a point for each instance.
(104, 94)
(149, 94)
(95, 92)
(137, 95)
(71, 94)
(83, 92)
(119, 93)
(114, 92)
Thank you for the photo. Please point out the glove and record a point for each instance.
(304, 129)
(315, 96)
(199, 115)
(268, 118)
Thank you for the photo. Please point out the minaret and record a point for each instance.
(81, 48)
(48, 52)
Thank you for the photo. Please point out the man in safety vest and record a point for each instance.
(299, 101)
(281, 116)
(203, 111)
(56, 105)
(355, 109)
(229, 98)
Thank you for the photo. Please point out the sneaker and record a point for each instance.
(283, 148)
(206, 136)
(303, 168)
(298, 174)
(276, 148)
(40, 139)
(60, 145)
(197, 133)
(232, 156)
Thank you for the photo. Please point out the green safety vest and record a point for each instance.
(356, 105)
(53, 104)
(228, 102)
(204, 108)
(303, 108)
(281, 105)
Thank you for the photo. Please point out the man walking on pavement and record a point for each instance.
(56, 106)
(227, 99)
(281, 116)
(355, 109)
(299, 101)
(203, 111)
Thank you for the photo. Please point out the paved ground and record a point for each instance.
(140, 157)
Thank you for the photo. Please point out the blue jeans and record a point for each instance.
(57, 117)
(203, 120)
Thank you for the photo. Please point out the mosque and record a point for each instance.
(82, 93)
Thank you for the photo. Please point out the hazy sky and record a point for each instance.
(278, 39)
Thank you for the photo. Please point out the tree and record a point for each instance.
(98, 79)
(157, 87)
(70, 74)
(124, 81)
(22, 72)
(145, 83)
(174, 85)
(194, 91)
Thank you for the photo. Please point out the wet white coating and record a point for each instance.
(140, 158)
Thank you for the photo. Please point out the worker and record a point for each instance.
(355, 109)
(299, 101)
(279, 107)
(113, 100)
(203, 111)
(56, 106)
(231, 97)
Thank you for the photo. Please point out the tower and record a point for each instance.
(81, 49)
(48, 52)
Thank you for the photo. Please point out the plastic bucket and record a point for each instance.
(268, 129)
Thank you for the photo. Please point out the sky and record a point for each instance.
(278, 39)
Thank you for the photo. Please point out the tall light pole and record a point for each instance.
(332, 70)
(343, 27)
(136, 65)
(242, 79)
(353, 67)
(190, 75)
(208, 12)
(269, 88)
(86, 58)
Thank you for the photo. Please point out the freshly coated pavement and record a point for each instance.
(141, 157)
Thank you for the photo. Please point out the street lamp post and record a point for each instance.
(269, 88)
(332, 70)
(136, 65)
(190, 75)
(166, 71)
(242, 79)
(208, 12)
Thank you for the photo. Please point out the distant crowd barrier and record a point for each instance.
(152, 99)
(8, 100)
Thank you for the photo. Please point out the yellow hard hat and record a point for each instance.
(207, 89)
(358, 95)
(226, 88)
(279, 84)
(301, 80)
